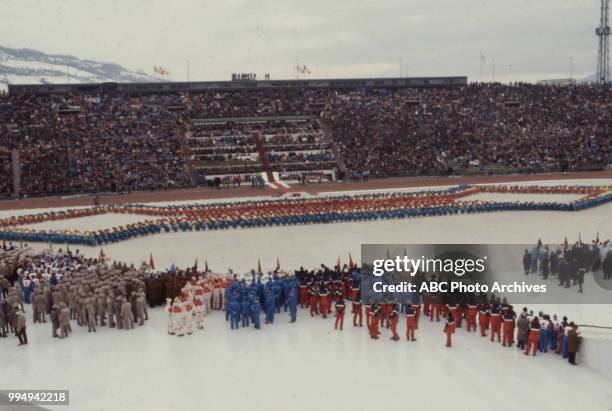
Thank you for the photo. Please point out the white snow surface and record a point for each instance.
(302, 366)
(308, 365)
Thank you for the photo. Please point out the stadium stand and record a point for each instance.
(97, 141)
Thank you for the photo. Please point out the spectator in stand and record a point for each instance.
(91, 143)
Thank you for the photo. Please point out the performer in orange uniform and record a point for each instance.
(472, 309)
(495, 322)
(385, 314)
(483, 319)
(314, 297)
(393, 320)
(368, 314)
(508, 327)
(411, 323)
(459, 315)
(452, 309)
(339, 313)
(449, 329)
(534, 336)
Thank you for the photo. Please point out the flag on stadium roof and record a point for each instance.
(303, 69)
(161, 71)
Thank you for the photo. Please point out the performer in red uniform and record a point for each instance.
(385, 314)
(339, 313)
(373, 322)
(303, 295)
(357, 311)
(417, 311)
(354, 290)
(436, 307)
(324, 301)
(449, 329)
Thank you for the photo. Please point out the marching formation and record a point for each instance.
(63, 287)
(323, 210)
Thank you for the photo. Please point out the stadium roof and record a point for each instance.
(246, 85)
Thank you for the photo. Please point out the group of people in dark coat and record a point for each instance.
(569, 264)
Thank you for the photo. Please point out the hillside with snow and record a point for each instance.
(27, 66)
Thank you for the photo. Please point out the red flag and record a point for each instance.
(565, 244)
(351, 264)
(597, 239)
(338, 266)
(102, 256)
(259, 267)
(277, 264)
(151, 262)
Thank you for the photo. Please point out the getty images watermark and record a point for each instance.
(519, 273)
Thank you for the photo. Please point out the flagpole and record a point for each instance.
(480, 61)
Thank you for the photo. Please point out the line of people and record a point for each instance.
(252, 214)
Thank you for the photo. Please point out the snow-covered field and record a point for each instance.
(96, 222)
(308, 365)
(559, 198)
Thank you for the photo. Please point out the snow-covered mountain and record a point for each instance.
(27, 66)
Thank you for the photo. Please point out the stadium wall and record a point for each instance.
(596, 353)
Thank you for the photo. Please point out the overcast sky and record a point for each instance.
(529, 39)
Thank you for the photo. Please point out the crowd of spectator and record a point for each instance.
(92, 143)
(6, 173)
(430, 131)
(79, 143)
